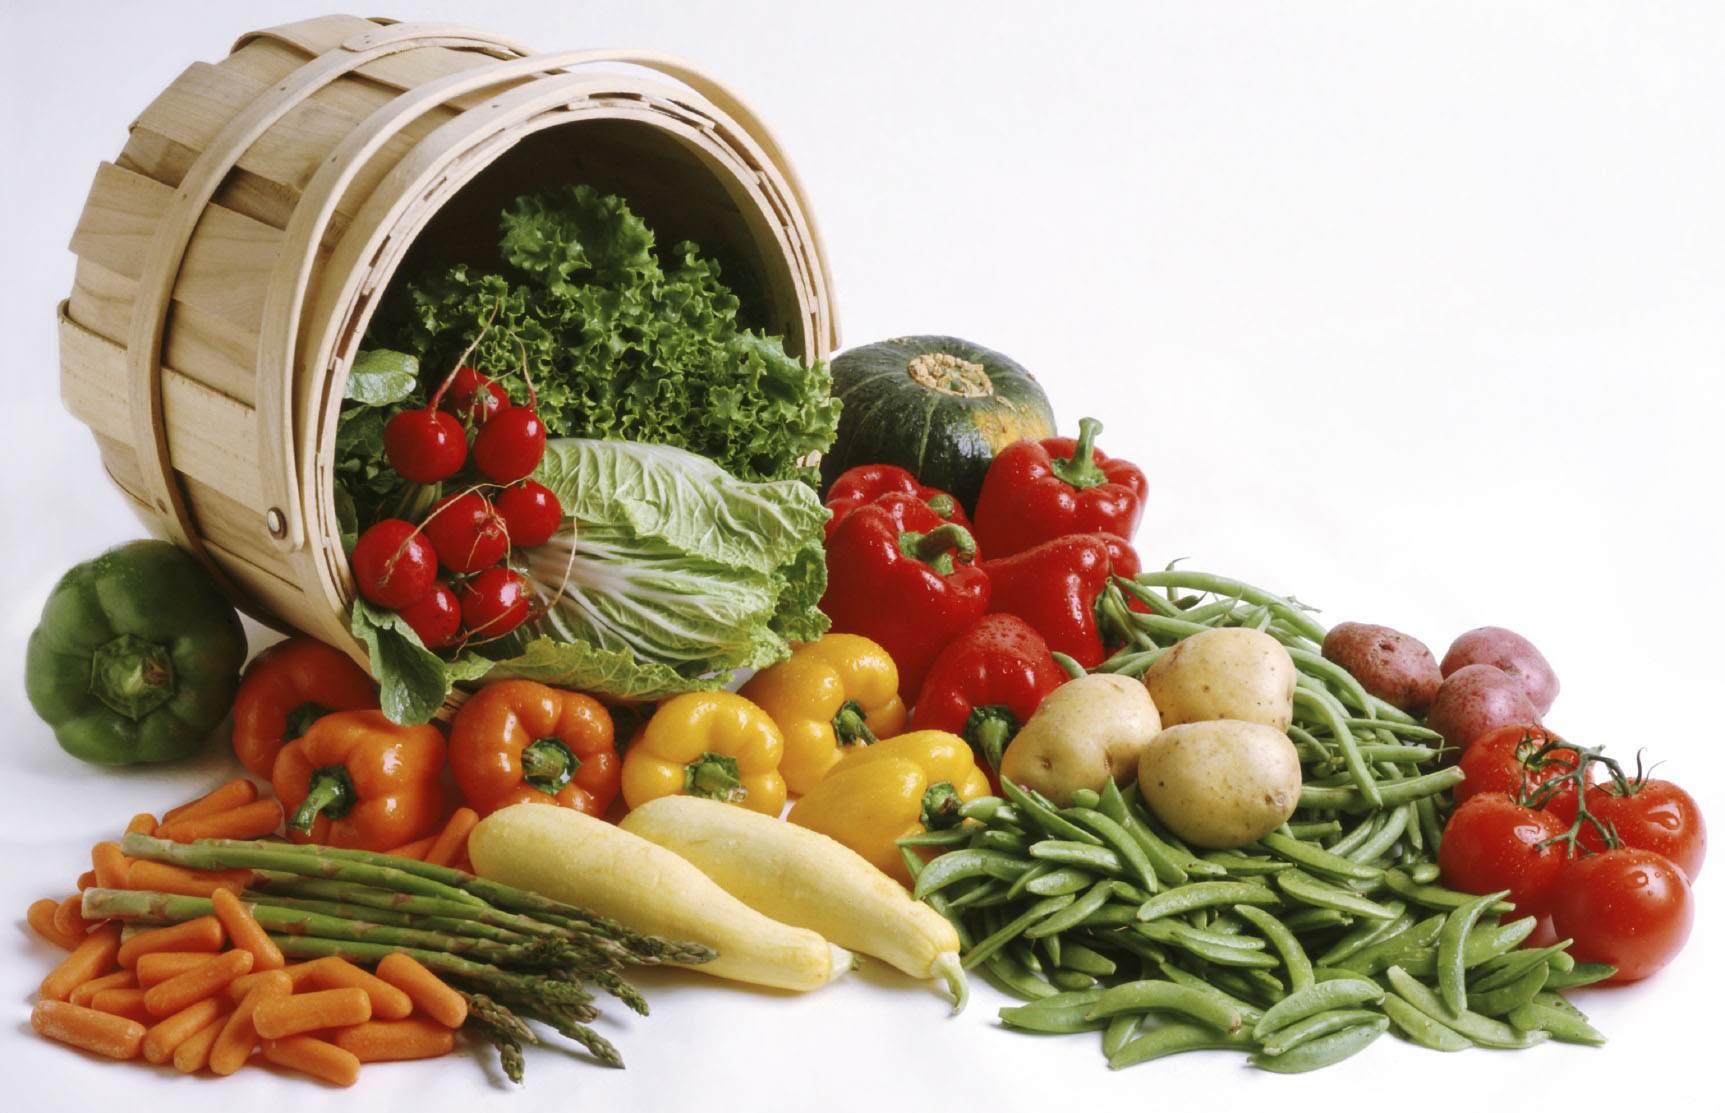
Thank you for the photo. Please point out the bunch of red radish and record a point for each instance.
(448, 576)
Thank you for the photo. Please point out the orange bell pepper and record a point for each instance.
(355, 779)
(713, 744)
(285, 689)
(519, 741)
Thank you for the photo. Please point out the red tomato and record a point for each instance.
(1653, 815)
(1497, 761)
(1629, 908)
(1491, 843)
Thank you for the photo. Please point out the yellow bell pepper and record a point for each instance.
(828, 696)
(712, 744)
(896, 788)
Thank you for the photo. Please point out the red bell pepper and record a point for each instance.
(1055, 586)
(986, 683)
(865, 483)
(1038, 490)
(900, 574)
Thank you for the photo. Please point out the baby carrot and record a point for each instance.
(166, 877)
(280, 1017)
(429, 993)
(119, 979)
(207, 979)
(248, 821)
(128, 1002)
(239, 1035)
(414, 849)
(86, 880)
(193, 1054)
(299, 975)
(163, 1038)
(202, 934)
(388, 1002)
(143, 823)
(97, 1032)
(451, 842)
(155, 967)
(111, 865)
(235, 793)
(91, 958)
(41, 916)
(415, 1037)
(245, 933)
(318, 1058)
(69, 917)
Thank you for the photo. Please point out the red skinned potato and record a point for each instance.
(1509, 651)
(1475, 700)
(1397, 668)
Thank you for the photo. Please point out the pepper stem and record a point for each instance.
(850, 725)
(944, 505)
(300, 719)
(940, 807)
(329, 793)
(132, 676)
(548, 765)
(1080, 469)
(937, 547)
(715, 777)
(988, 729)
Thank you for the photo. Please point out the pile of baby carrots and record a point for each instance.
(214, 993)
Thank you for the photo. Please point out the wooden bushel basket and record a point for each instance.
(230, 257)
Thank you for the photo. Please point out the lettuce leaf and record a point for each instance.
(669, 575)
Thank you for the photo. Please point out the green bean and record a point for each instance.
(1394, 827)
(1505, 999)
(1306, 889)
(1317, 701)
(1043, 908)
(1562, 1025)
(1040, 812)
(1434, 896)
(1293, 1035)
(1061, 1012)
(1317, 859)
(1338, 993)
(1155, 995)
(1452, 969)
(1205, 894)
(1410, 728)
(1294, 958)
(1117, 838)
(1482, 1030)
(1171, 1039)
(1292, 612)
(961, 865)
(1069, 853)
(1345, 799)
(1061, 879)
(1367, 932)
(1325, 1050)
(1422, 1029)
(1073, 914)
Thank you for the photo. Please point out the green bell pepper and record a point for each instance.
(137, 656)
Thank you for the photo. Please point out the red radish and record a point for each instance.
(425, 446)
(466, 532)
(393, 564)
(495, 602)
(509, 446)
(472, 396)
(532, 512)
(435, 618)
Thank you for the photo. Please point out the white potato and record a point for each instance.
(1087, 730)
(1226, 673)
(1221, 783)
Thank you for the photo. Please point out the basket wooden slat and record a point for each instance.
(231, 255)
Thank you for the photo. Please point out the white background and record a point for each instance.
(1410, 309)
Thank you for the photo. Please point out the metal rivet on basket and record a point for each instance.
(276, 521)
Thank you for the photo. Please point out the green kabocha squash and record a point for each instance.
(937, 406)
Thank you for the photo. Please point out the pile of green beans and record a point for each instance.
(1297, 950)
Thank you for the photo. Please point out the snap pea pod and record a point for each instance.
(1290, 1036)
(1422, 1029)
(1155, 995)
(1171, 1039)
(1325, 1050)
(1482, 1030)
(1058, 1013)
(1451, 963)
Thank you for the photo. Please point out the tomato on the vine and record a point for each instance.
(467, 532)
(393, 564)
(1628, 908)
(1649, 814)
(1499, 761)
(1492, 844)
